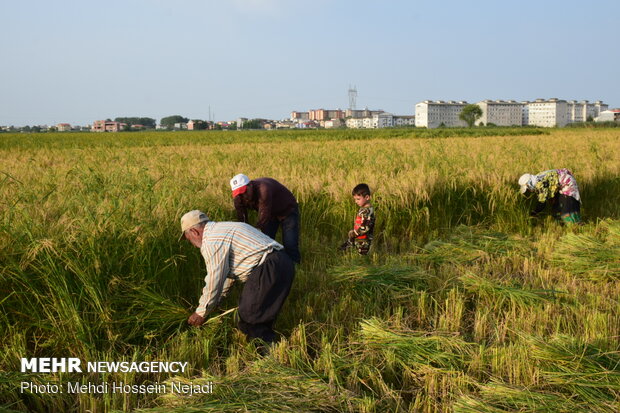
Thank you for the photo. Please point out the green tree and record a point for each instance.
(252, 124)
(470, 114)
(169, 121)
(200, 124)
(146, 122)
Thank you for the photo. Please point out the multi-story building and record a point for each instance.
(376, 121)
(333, 123)
(558, 112)
(404, 120)
(240, 122)
(432, 114)
(325, 114)
(299, 116)
(548, 113)
(63, 127)
(584, 110)
(355, 123)
(107, 126)
(382, 120)
(500, 112)
(525, 113)
(362, 113)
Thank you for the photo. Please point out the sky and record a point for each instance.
(76, 61)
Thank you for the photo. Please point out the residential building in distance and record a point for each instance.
(525, 113)
(362, 113)
(107, 126)
(376, 121)
(299, 116)
(380, 120)
(610, 115)
(500, 113)
(333, 123)
(403, 120)
(552, 112)
(557, 112)
(241, 122)
(548, 113)
(584, 110)
(63, 127)
(354, 123)
(307, 124)
(325, 114)
(432, 114)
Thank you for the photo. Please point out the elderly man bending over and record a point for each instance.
(237, 251)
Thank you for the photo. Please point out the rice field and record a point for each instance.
(465, 304)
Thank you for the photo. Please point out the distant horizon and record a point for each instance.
(68, 62)
(158, 120)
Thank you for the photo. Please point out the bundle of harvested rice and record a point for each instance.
(470, 244)
(399, 279)
(596, 257)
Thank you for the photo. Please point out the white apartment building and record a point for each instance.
(355, 123)
(558, 112)
(403, 120)
(431, 114)
(382, 120)
(500, 112)
(584, 110)
(525, 114)
(548, 113)
(332, 123)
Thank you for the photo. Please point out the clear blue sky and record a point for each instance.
(77, 61)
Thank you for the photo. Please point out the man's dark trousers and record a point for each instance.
(263, 295)
(290, 233)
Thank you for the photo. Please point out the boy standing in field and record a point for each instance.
(360, 236)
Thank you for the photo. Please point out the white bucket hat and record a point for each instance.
(524, 181)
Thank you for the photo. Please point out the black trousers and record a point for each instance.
(560, 205)
(263, 295)
(290, 233)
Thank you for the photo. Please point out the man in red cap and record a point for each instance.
(276, 207)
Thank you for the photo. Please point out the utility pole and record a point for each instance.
(352, 97)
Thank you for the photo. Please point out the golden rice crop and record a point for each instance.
(449, 312)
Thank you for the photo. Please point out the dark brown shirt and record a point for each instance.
(269, 197)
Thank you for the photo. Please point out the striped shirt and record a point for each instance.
(231, 251)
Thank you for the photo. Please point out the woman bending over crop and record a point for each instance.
(557, 187)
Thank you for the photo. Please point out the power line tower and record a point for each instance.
(352, 97)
